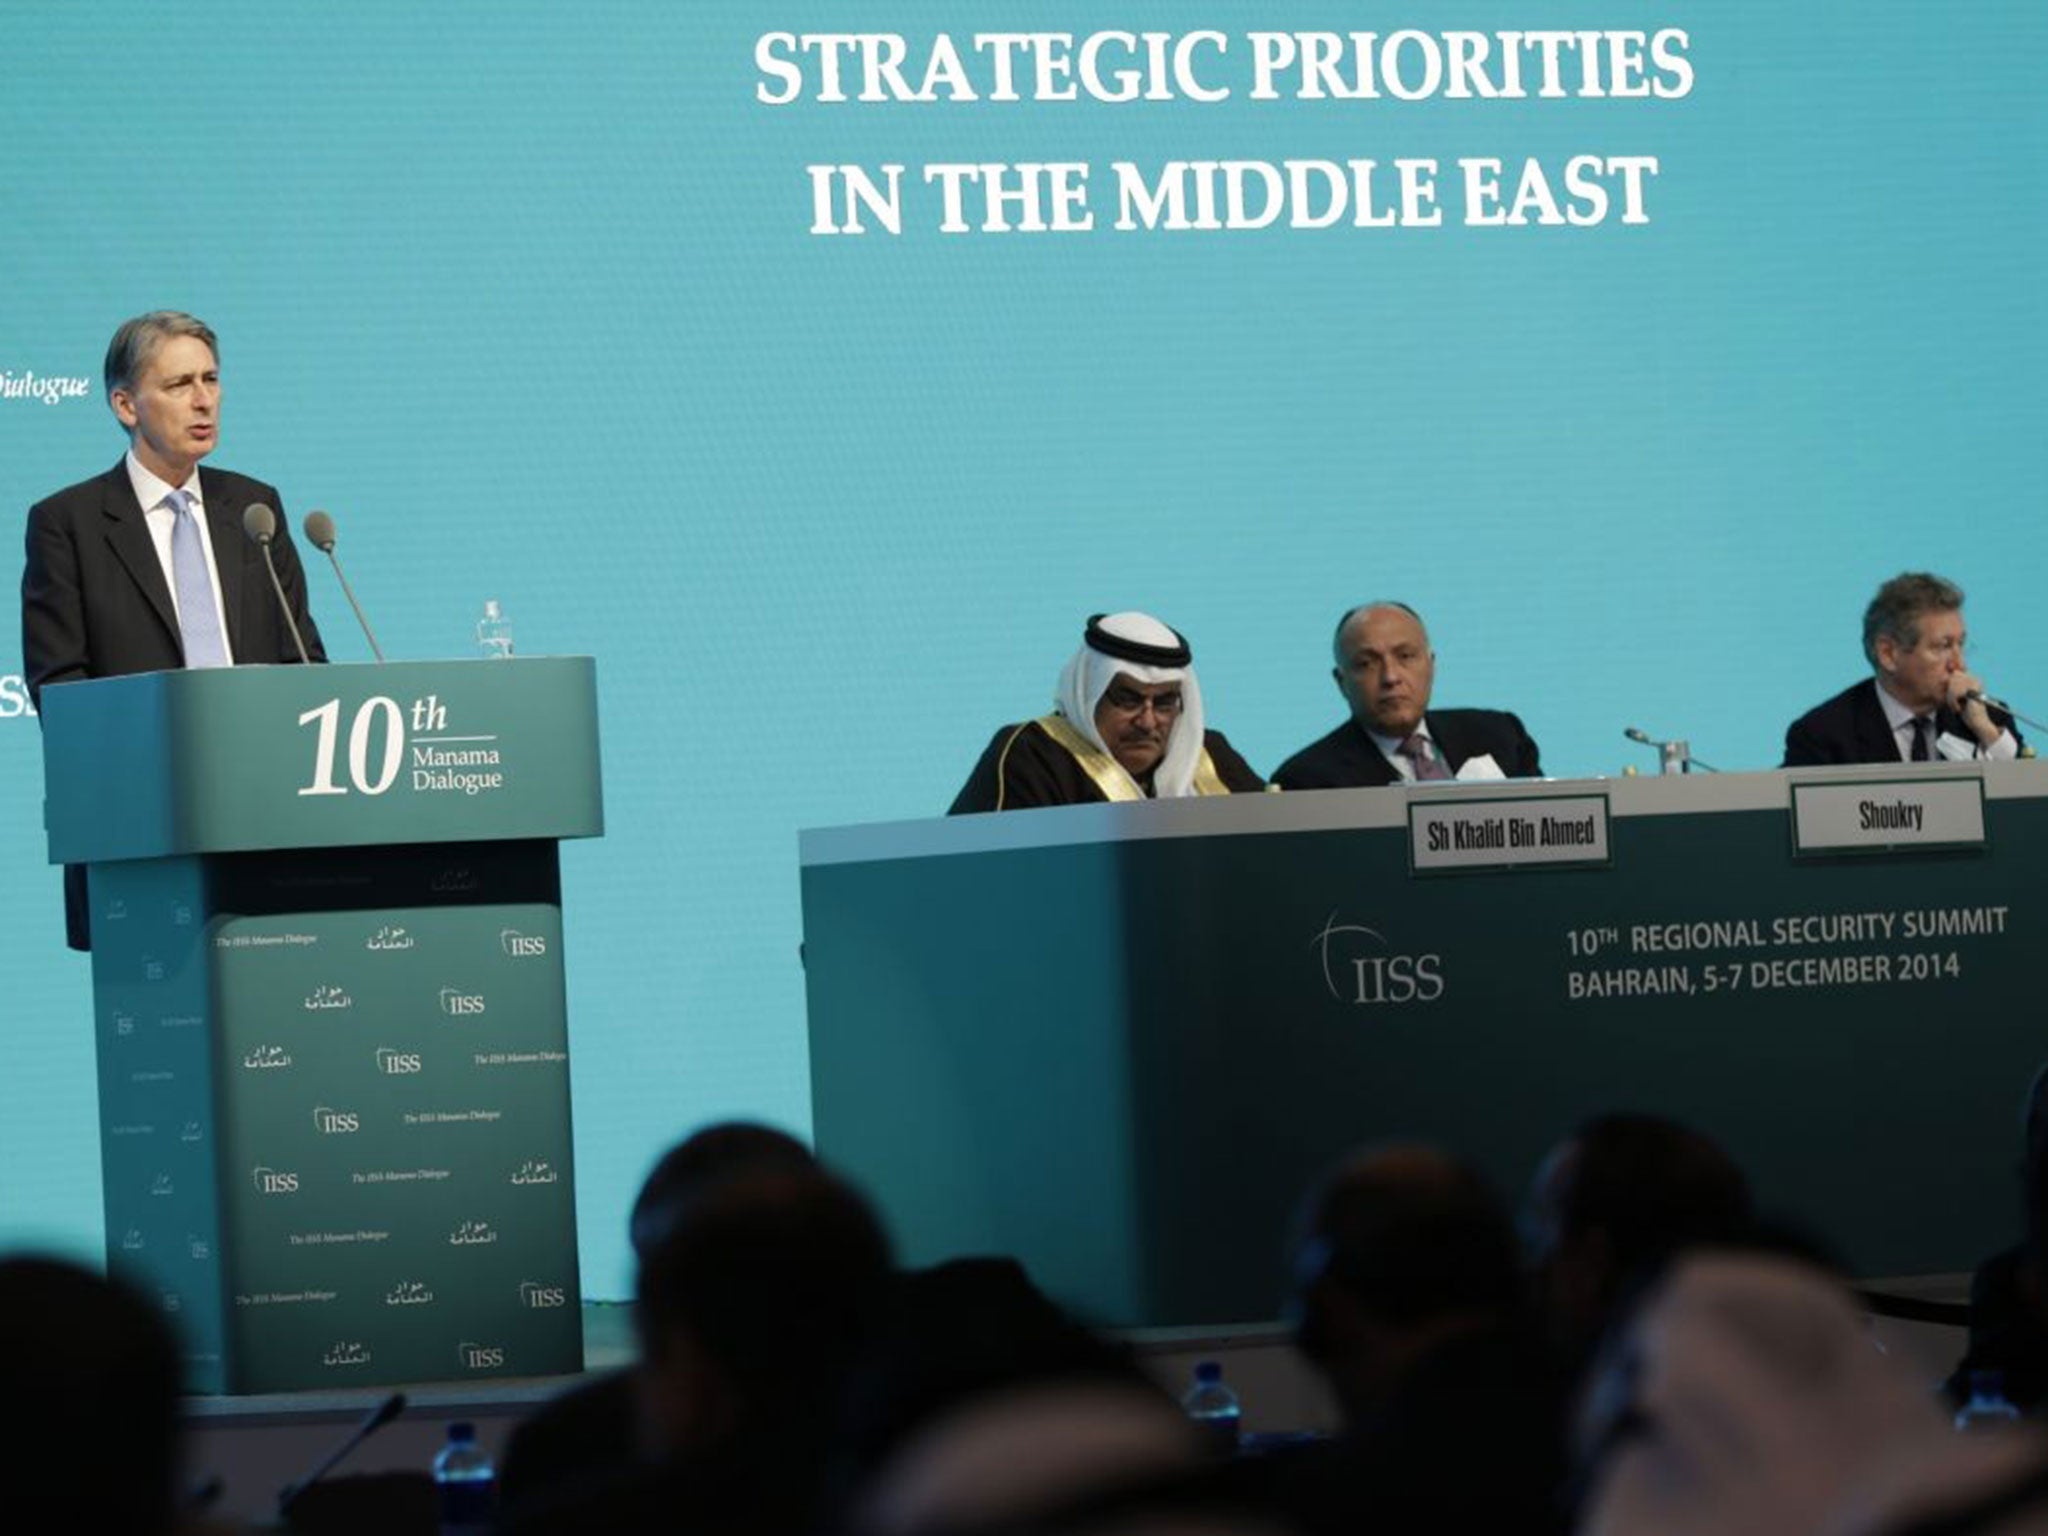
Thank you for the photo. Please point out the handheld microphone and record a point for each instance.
(260, 523)
(320, 534)
(377, 1418)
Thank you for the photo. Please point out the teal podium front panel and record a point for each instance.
(330, 1009)
(1122, 1041)
(396, 1153)
(337, 1139)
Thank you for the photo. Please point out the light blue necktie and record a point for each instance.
(198, 619)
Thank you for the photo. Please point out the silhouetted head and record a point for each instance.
(981, 1404)
(1621, 1196)
(92, 1371)
(1403, 1248)
(751, 1305)
(703, 1158)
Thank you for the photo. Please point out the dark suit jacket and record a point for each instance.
(94, 602)
(1851, 728)
(1347, 757)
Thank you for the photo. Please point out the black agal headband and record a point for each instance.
(1096, 638)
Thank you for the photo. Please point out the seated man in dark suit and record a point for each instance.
(1386, 670)
(1126, 725)
(1919, 692)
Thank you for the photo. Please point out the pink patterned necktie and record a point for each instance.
(1428, 765)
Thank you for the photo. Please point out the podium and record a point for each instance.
(330, 1010)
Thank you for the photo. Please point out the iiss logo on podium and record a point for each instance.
(1361, 967)
(273, 1181)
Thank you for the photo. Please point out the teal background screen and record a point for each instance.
(525, 295)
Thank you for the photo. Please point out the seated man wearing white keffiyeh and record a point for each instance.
(1126, 724)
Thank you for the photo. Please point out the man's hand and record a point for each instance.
(1961, 685)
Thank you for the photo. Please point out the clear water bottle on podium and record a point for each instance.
(494, 631)
(467, 1484)
(1214, 1409)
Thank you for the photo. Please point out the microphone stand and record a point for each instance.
(389, 1409)
(1672, 756)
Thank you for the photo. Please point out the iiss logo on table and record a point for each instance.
(1360, 966)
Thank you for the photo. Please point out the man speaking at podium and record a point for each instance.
(146, 567)
(1126, 725)
(1386, 672)
(1920, 704)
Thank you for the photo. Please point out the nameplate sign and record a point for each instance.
(1456, 833)
(1874, 816)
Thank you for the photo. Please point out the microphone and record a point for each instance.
(260, 523)
(320, 534)
(378, 1417)
(2003, 708)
